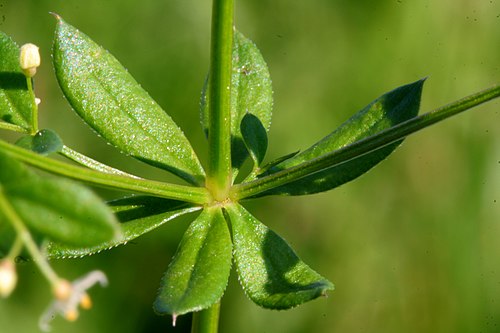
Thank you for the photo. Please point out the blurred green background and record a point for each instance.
(413, 246)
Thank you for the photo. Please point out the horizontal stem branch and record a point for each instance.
(197, 195)
(361, 147)
(91, 163)
(14, 128)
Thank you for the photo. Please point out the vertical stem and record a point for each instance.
(219, 93)
(34, 111)
(219, 128)
(206, 321)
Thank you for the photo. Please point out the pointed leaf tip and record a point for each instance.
(174, 320)
(57, 16)
(388, 110)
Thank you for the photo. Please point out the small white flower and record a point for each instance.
(8, 277)
(68, 296)
(29, 59)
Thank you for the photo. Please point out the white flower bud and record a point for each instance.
(29, 59)
(8, 277)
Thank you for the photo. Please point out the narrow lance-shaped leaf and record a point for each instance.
(58, 209)
(108, 98)
(251, 92)
(198, 274)
(137, 215)
(271, 274)
(16, 102)
(386, 111)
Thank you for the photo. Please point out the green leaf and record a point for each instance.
(44, 142)
(255, 138)
(386, 111)
(251, 92)
(108, 98)
(137, 214)
(57, 209)
(16, 102)
(271, 274)
(198, 274)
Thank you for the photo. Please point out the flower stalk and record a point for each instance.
(29, 60)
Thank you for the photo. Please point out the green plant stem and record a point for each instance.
(219, 108)
(91, 163)
(361, 147)
(34, 110)
(15, 249)
(206, 321)
(25, 236)
(14, 128)
(197, 195)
